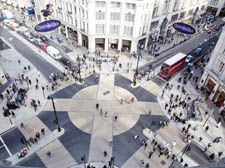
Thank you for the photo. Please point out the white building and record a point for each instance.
(213, 78)
(20, 4)
(216, 7)
(120, 24)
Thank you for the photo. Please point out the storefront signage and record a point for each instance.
(184, 28)
(48, 25)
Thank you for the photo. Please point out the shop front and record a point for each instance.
(209, 85)
(211, 10)
(100, 44)
(113, 44)
(126, 44)
(219, 97)
(84, 41)
(72, 34)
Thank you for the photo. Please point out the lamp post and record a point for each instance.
(136, 72)
(56, 118)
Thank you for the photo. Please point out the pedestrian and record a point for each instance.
(49, 154)
(97, 105)
(209, 145)
(101, 112)
(115, 118)
(106, 113)
(145, 145)
(217, 139)
(37, 135)
(29, 81)
(174, 143)
(105, 153)
(220, 154)
(132, 100)
(37, 80)
(160, 153)
(218, 124)
(155, 133)
(39, 103)
(13, 114)
(212, 156)
(200, 139)
(19, 62)
(136, 137)
(36, 86)
(142, 163)
(206, 128)
(166, 105)
(150, 155)
(43, 131)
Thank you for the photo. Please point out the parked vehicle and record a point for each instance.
(38, 41)
(44, 46)
(7, 14)
(66, 62)
(21, 29)
(30, 38)
(52, 51)
(14, 26)
(44, 39)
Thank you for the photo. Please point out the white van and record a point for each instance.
(7, 14)
(52, 51)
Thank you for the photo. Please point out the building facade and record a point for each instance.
(20, 4)
(123, 25)
(213, 78)
(216, 7)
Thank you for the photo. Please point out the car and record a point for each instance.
(30, 38)
(197, 51)
(67, 62)
(38, 41)
(44, 39)
(188, 58)
(44, 46)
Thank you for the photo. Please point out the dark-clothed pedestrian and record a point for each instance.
(206, 128)
(150, 154)
(97, 105)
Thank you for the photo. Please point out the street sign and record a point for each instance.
(184, 28)
(48, 25)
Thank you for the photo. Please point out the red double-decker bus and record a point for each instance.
(172, 65)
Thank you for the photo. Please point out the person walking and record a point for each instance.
(150, 154)
(174, 143)
(97, 105)
(206, 128)
(145, 145)
(220, 154)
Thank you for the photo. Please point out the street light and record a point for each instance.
(56, 118)
(136, 72)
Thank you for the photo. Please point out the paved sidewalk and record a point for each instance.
(198, 123)
(10, 64)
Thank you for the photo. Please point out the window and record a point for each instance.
(214, 2)
(129, 17)
(100, 15)
(166, 6)
(114, 29)
(115, 4)
(128, 30)
(190, 12)
(182, 15)
(203, 7)
(100, 3)
(221, 66)
(176, 5)
(115, 16)
(155, 11)
(83, 13)
(75, 10)
(130, 6)
(154, 25)
(100, 28)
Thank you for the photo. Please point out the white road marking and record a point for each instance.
(10, 154)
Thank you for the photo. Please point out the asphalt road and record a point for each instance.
(43, 66)
(187, 48)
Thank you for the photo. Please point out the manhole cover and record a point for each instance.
(163, 162)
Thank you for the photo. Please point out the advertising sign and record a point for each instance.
(48, 25)
(184, 28)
